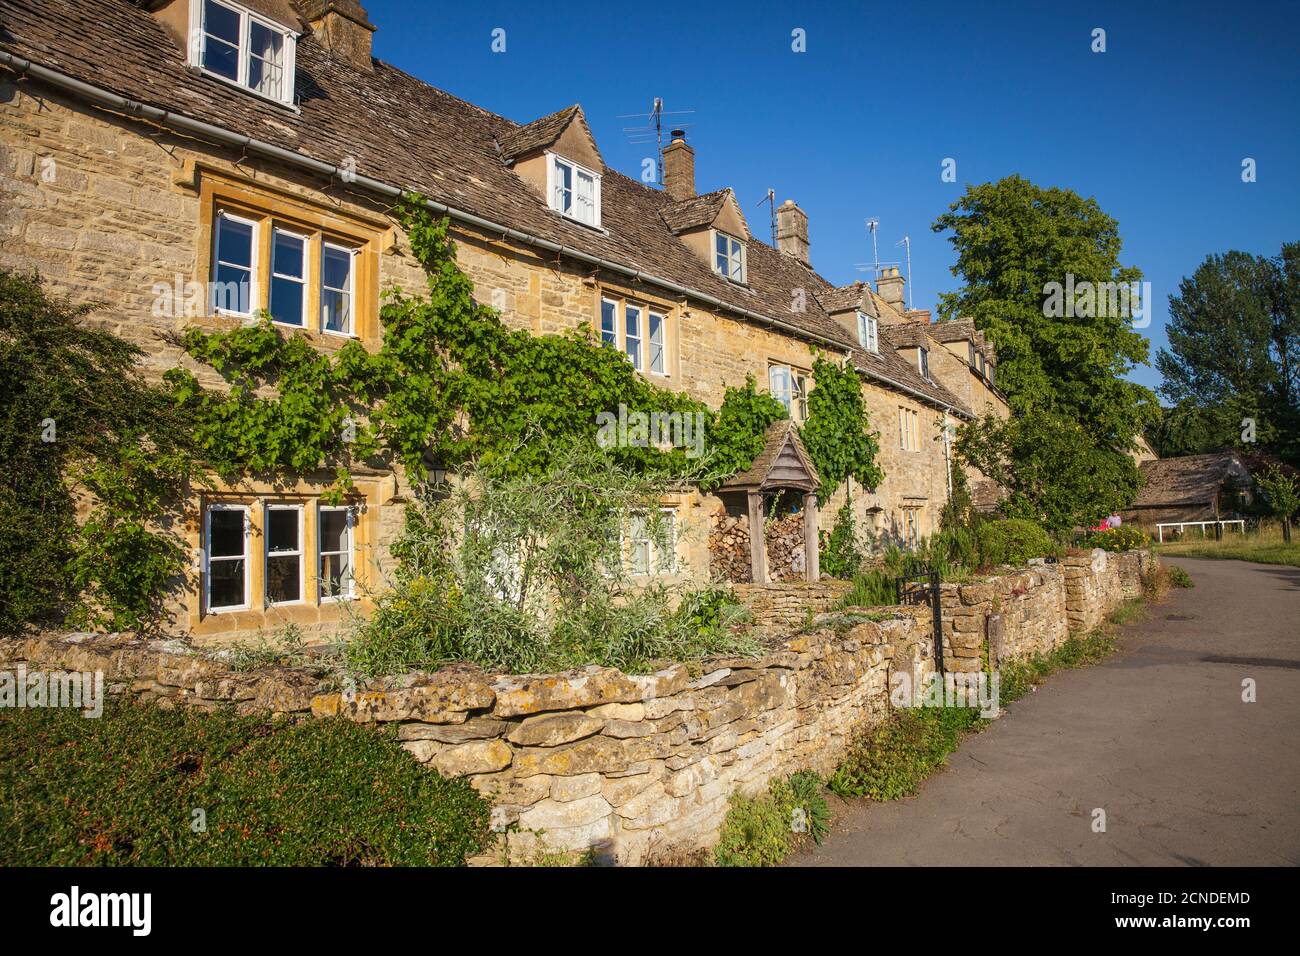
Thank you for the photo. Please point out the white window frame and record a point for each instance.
(662, 344)
(637, 357)
(908, 429)
(657, 561)
(272, 275)
(791, 391)
(735, 256)
(247, 17)
(868, 332)
(349, 593)
(267, 553)
(612, 342)
(253, 268)
(246, 557)
(350, 291)
(553, 162)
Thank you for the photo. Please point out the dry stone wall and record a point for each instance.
(632, 766)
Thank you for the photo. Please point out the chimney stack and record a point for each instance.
(679, 167)
(890, 288)
(342, 27)
(792, 231)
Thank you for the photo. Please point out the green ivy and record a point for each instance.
(838, 433)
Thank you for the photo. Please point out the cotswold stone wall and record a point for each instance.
(632, 766)
(779, 609)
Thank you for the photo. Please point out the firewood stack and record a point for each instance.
(785, 557)
(729, 549)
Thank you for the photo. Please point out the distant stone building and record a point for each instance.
(1191, 488)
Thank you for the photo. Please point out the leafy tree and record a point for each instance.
(1053, 472)
(79, 426)
(1234, 354)
(1283, 494)
(1064, 376)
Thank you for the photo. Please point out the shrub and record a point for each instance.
(526, 573)
(764, 830)
(841, 553)
(123, 790)
(77, 419)
(1012, 541)
(1124, 538)
(890, 759)
(873, 588)
(1179, 578)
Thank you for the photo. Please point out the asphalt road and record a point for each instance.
(1158, 737)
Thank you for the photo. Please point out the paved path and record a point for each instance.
(1157, 736)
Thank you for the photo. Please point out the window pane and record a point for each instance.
(608, 322)
(234, 241)
(286, 301)
(586, 199)
(288, 254)
(220, 21)
(226, 583)
(283, 579)
(265, 68)
(226, 533)
(336, 268)
(282, 529)
(221, 58)
(232, 289)
(563, 188)
(336, 575)
(334, 531)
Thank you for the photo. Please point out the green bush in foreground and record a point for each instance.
(763, 830)
(1012, 541)
(123, 790)
(1180, 578)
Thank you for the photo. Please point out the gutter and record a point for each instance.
(248, 144)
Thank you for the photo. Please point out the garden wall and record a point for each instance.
(635, 766)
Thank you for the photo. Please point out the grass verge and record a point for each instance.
(1263, 547)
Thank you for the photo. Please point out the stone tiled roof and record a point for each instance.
(845, 297)
(1191, 479)
(696, 211)
(538, 134)
(403, 132)
(780, 436)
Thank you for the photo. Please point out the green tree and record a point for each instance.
(1017, 244)
(79, 424)
(1232, 369)
(1283, 494)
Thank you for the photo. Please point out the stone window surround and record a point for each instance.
(648, 307)
(254, 498)
(323, 225)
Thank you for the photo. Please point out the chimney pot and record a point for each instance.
(792, 231)
(679, 167)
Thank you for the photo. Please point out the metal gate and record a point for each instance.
(919, 584)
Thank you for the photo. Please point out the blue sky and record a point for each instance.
(858, 126)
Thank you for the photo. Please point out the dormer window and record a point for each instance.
(234, 44)
(574, 191)
(729, 257)
(868, 332)
(923, 361)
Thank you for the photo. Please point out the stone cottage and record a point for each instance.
(191, 162)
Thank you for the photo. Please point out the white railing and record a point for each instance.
(1181, 525)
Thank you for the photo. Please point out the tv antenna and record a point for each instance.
(653, 131)
(906, 242)
(770, 199)
(873, 226)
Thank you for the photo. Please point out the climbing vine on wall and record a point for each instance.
(838, 432)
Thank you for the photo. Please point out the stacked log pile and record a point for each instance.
(729, 549)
